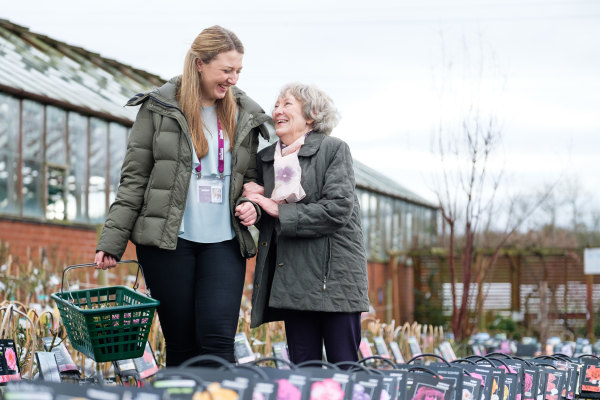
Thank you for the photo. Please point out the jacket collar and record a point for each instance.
(309, 148)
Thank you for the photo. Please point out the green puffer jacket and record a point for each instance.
(156, 172)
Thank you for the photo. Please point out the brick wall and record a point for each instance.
(66, 244)
(76, 244)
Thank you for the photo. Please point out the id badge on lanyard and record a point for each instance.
(210, 188)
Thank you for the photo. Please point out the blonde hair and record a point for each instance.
(207, 45)
(316, 105)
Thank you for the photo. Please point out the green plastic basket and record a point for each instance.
(107, 323)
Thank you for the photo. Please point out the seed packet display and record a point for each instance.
(413, 345)
(590, 379)
(67, 367)
(567, 369)
(265, 391)
(497, 384)
(471, 389)
(478, 349)
(364, 348)
(280, 350)
(9, 364)
(427, 387)
(456, 375)
(38, 390)
(485, 375)
(447, 351)
(328, 384)
(35, 390)
(242, 350)
(389, 389)
(366, 386)
(47, 366)
(542, 380)
(511, 385)
(573, 383)
(260, 388)
(226, 384)
(125, 368)
(513, 375)
(530, 385)
(398, 357)
(146, 365)
(381, 347)
(291, 384)
(555, 382)
(400, 376)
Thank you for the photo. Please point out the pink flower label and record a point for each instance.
(287, 391)
(11, 359)
(327, 389)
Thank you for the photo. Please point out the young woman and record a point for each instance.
(191, 149)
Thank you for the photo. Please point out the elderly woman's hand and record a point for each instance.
(271, 207)
(252, 188)
(246, 213)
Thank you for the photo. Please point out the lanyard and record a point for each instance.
(221, 154)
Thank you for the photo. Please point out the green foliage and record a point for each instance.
(502, 324)
(428, 301)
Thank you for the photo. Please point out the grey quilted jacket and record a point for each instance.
(318, 262)
(155, 176)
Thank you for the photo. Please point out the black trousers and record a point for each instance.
(308, 331)
(199, 286)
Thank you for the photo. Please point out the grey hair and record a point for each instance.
(316, 105)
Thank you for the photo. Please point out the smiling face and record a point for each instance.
(218, 75)
(289, 119)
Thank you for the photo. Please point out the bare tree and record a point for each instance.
(468, 191)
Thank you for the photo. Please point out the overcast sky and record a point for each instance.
(385, 63)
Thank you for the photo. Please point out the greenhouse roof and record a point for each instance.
(369, 179)
(36, 66)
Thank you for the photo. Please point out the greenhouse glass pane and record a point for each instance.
(117, 146)
(98, 170)
(56, 136)
(32, 168)
(9, 139)
(78, 167)
(56, 178)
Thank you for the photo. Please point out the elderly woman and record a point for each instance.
(311, 269)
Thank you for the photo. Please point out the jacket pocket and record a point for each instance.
(147, 191)
(327, 264)
(303, 261)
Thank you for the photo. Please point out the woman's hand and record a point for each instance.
(246, 213)
(104, 260)
(252, 188)
(270, 206)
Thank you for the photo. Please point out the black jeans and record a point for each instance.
(308, 331)
(199, 286)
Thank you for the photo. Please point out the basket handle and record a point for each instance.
(135, 285)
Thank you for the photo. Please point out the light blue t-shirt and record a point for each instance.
(208, 222)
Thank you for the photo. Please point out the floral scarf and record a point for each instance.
(288, 173)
